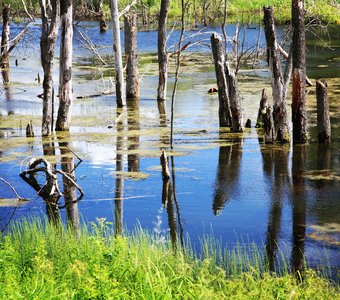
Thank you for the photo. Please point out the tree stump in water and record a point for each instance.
(269, 129)
(324, 124)
(29, 130)
(262, 109)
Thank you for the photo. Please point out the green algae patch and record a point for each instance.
(131, 175)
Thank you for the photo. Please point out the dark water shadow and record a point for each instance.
(227, 174)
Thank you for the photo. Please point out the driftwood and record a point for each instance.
(51, 187)
(13, 189)
(324, 124)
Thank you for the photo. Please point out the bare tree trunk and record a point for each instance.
(223, 96)
(234, 98)
(274, 60)
(324, 124)
(162, 52)
(262, 109)
(5, 35)
(49, 32)
(65, 69)
(120, 93)
(131, 58)
(299, 72)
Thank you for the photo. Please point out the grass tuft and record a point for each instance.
(42, 261)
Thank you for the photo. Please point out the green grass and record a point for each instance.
(40, 261)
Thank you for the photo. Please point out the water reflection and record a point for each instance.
(299, 209)
(70, 191)
(275, 168)
(7, 90)
(133, 134)
(228, 171)
(119, 187)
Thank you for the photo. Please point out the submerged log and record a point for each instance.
(324, 124)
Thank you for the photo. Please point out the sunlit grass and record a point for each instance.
(41, 261)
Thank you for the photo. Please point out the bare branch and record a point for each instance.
(127, 8)
(13, 189)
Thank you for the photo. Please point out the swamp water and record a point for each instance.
(229, 186)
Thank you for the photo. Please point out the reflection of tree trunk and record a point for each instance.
(164, 137)
(323, 162)
(8, 91)
(119, 190)
(169, 200)
(133, 135)
(70, 191)
(276, 160)
(299, 210)
(228, 169)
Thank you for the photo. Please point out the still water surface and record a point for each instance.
(232, 187)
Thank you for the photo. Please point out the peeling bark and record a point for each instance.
(299, 72)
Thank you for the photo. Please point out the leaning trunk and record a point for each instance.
(132, 82)
(278, 85)
(162, 53)
(299, 72)
(49, 32)
(120, 94)
(65, 70)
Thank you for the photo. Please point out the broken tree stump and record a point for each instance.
(262, 109)
(323, 119)
(224, 112)
(269, 129)
(29, 130)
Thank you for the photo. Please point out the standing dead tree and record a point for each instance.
(132, 80)
(120, 92)
(324, 124)
(5, 36)
(226, 78)
(49, 33)
(224, 112)
(162, 52)
(279, 80)
(65, 69)
(299, 72)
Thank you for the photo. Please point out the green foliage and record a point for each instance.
(41, 261)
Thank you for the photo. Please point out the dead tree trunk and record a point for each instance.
(280, 117)
(162, 52)
(299, 72)
(5, 36)
(131, 58)
(324, 124)
(234, 98)
(120, 93)
(65, 69)
(262, 109)
(223, 96)
(49, 32)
